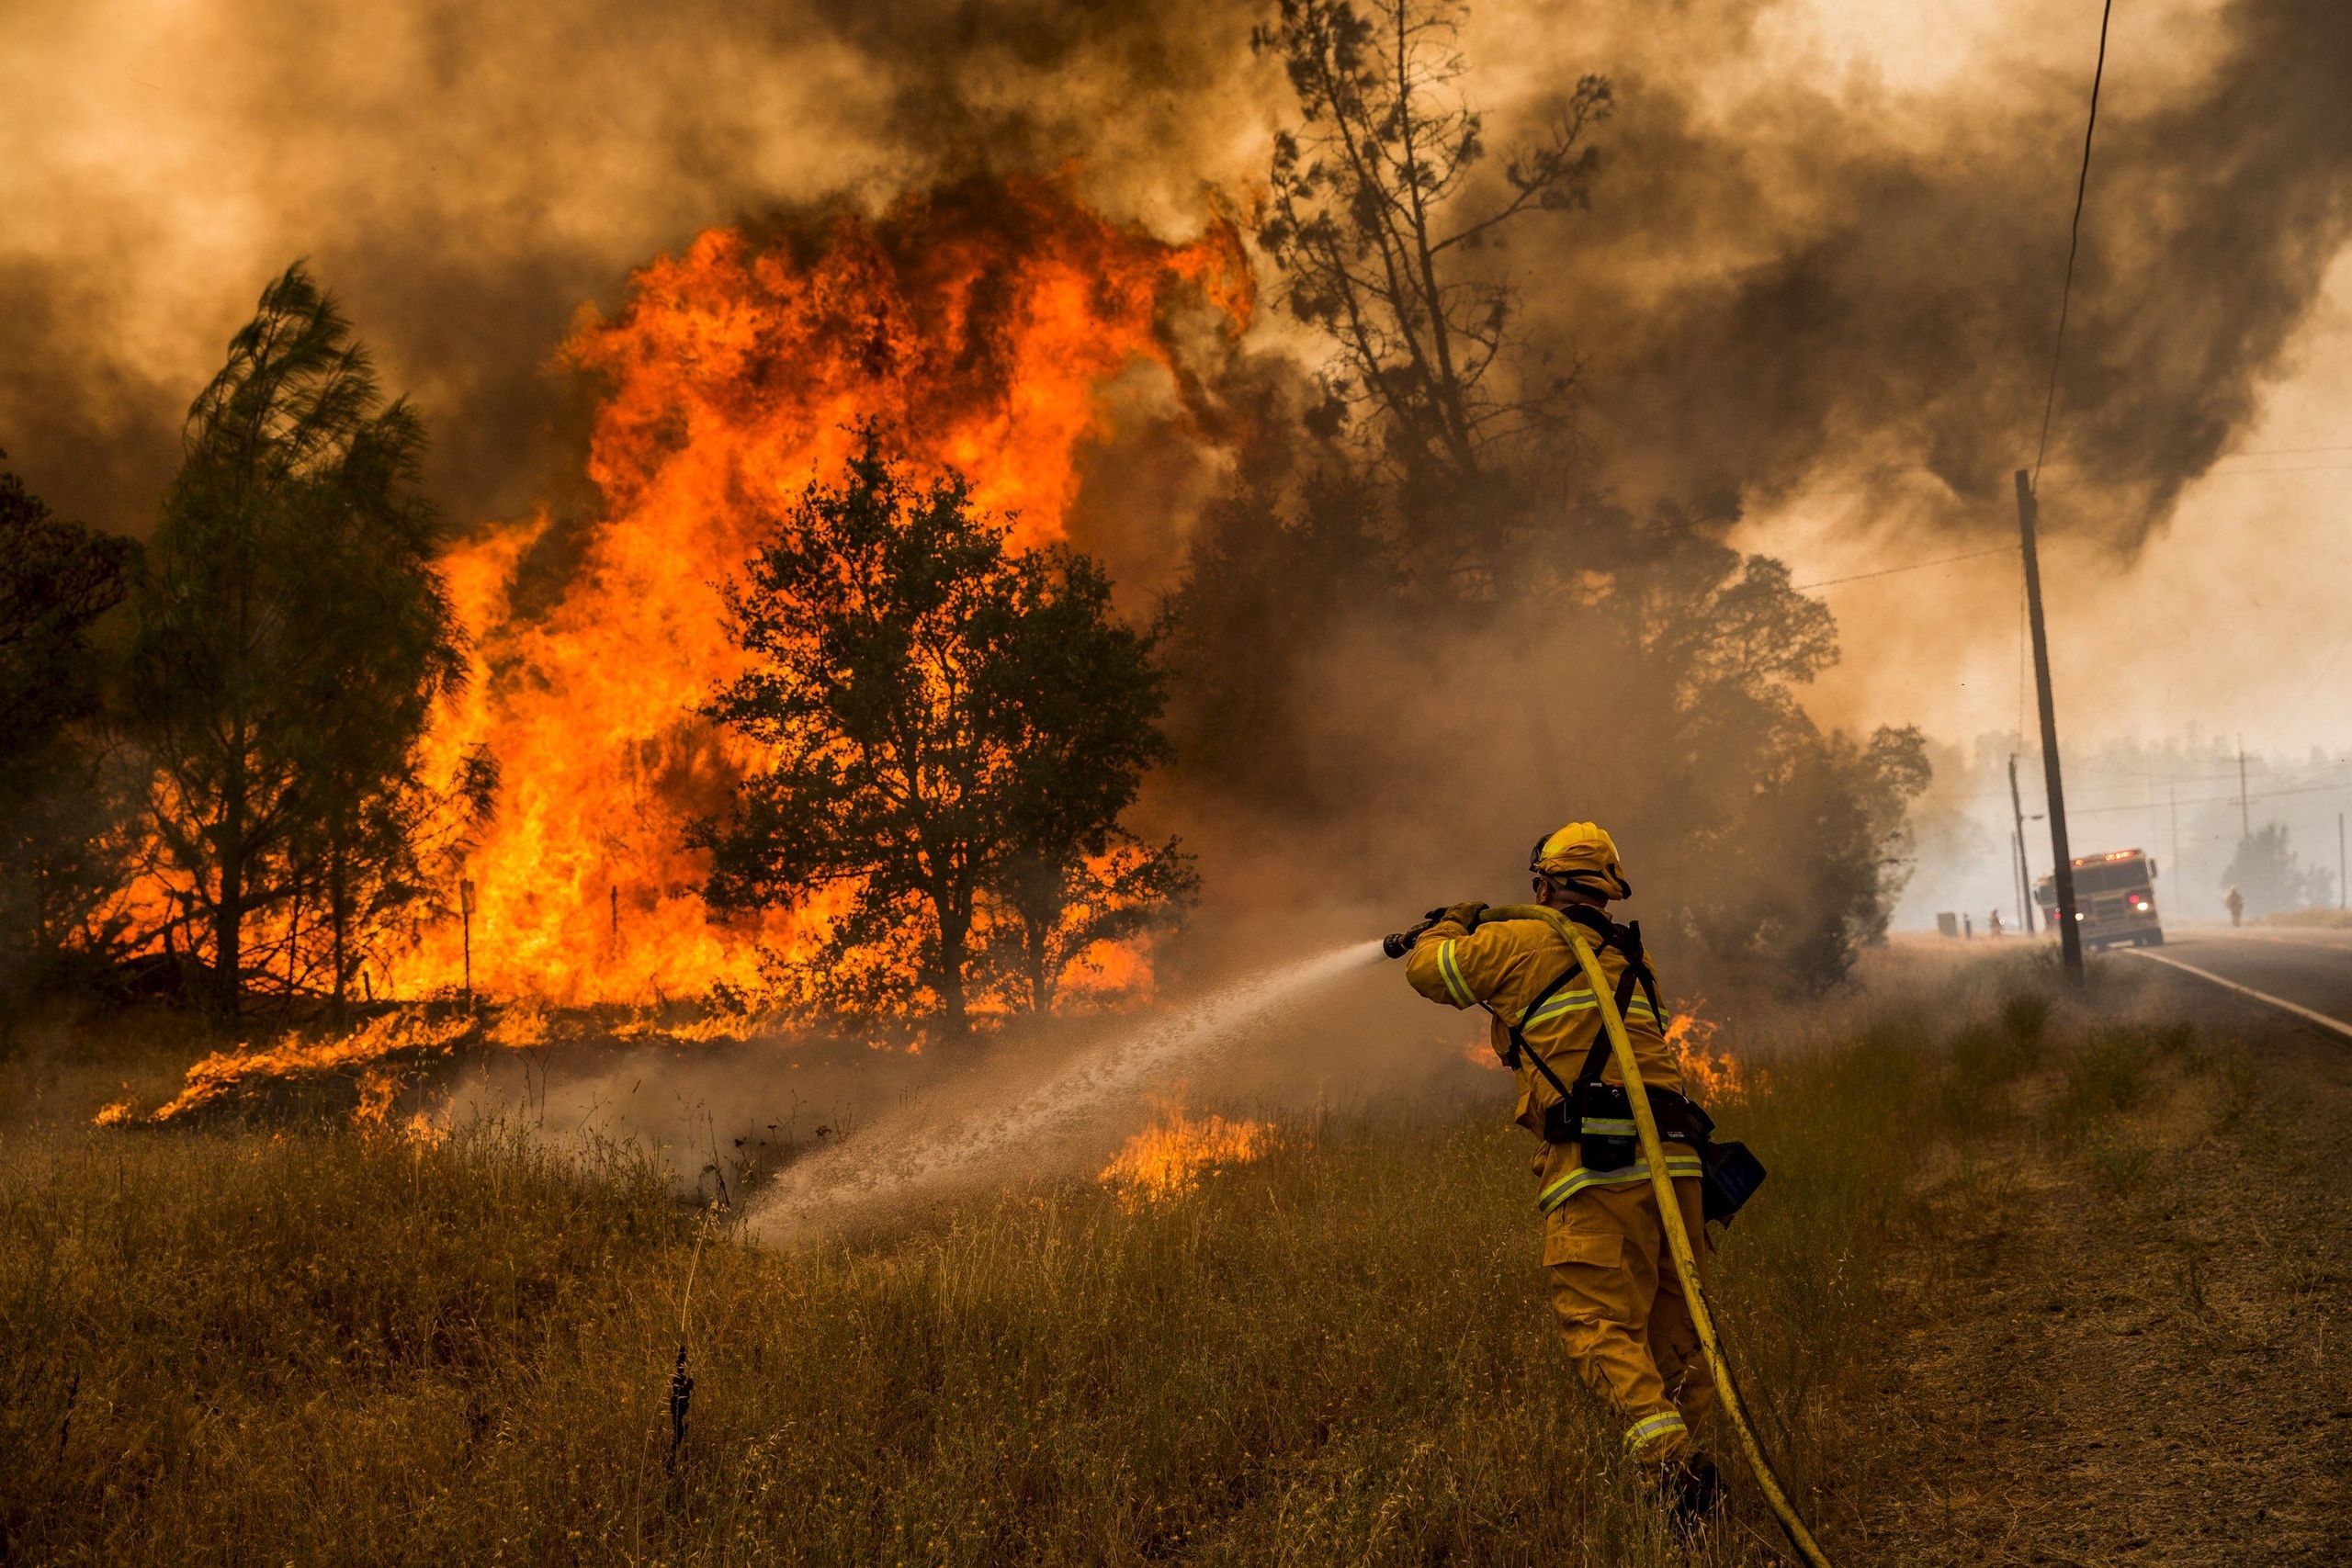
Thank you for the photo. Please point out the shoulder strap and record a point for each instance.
(1637, 966)
(1519, 1042)
(1626, 939)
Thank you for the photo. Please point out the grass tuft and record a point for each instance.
(2120, 1162)
(2108, 1076)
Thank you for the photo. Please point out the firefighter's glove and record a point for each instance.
(1462, 915)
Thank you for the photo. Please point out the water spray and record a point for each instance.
(888, 1164)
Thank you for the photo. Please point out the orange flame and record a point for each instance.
(1167, 1158)
(975, 323)
(375, 1055)
(1710, 1076)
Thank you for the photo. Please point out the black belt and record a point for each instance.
(1612, 1144)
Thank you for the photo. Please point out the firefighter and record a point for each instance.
(2235, 903)
(1614, 1284)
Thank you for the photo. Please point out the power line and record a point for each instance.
(2213, 800)
(2152, 778)
(2073, 244)
(1891, 570)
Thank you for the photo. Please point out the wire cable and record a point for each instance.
(2073, 244)
(1891, 570)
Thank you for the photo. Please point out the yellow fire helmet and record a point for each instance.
(1582, 854)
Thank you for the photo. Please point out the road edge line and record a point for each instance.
(2336, 1025)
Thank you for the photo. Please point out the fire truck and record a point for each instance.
(2114, 905)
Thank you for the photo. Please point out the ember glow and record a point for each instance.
(976, 325)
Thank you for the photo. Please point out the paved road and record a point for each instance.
(2312, 968)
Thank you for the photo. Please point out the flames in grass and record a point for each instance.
(1709, 1075)
(364, 1073)
(1167, 1158)
(375, 1061)
(977, 325)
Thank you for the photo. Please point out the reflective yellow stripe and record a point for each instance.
(1603, 1127)
(1647, 1430)
(1584, 1001)
(1453, 973)
(1577, 1180)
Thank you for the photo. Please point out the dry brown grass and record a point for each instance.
(306, 1344)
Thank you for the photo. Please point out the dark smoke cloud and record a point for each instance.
(1864, 288)
(97, 433)
(1791, 275)
(467, 175)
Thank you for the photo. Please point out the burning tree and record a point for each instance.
(292, 639)
(951, 733)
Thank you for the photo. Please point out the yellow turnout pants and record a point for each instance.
(1622, 1313)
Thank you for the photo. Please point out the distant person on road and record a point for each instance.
(1613, 1283)
(2235, 903)
(1993, 924)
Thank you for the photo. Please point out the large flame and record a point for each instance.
(977, 325)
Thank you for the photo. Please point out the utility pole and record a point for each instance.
(2016, 840)
(2339, 862)
(2173, 788)
(2070, 935)
(2246, 823)
(2017, 878)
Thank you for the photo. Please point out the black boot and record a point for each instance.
(1693, 1491)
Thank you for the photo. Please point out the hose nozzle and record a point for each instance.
(1401, 943)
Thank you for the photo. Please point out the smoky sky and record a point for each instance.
(1890, 305)
(1794, 272)
(467, 177)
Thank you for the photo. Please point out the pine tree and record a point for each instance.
(293, 635)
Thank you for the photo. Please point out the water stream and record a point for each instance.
(1003, 1130)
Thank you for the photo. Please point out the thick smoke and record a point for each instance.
(1868, 283)
(1791, 268)
(468, 175)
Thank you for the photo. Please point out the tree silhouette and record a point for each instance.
(2265, 868)
(951, 734)
(292, 638)
(61, 853)
(1375, 221)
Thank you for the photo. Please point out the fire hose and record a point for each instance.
(1677, 1238)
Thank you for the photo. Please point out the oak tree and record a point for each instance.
(950, 733)
(61, 842)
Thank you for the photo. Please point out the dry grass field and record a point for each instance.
(296, 1342)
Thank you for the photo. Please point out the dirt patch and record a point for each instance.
(2133, 1307)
